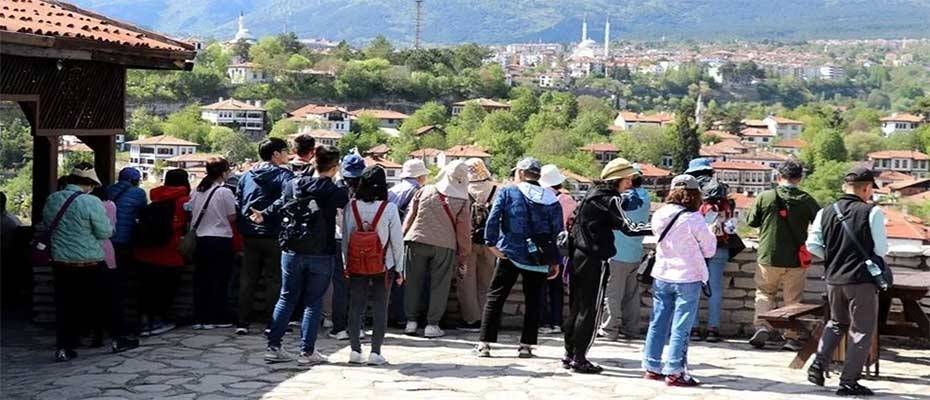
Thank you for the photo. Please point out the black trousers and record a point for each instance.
(80, 302)
(552, 302)
(505, 276)
(157, 288)
(588, 279)
(214, 262)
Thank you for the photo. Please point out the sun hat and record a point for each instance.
(453, 180)
(528, 164)
(413, 168)
(550, 176)
(618, 168)
(685, 182)
(86, 174)
(699, 164)
(477, 170)
(352, 166)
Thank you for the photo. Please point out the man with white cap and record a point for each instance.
(475, 276)
(413, 176)
(553, 293)
(521, 230)
(438, 237)
(591, 244)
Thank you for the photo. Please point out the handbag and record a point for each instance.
(188, 245)
(735, 245)
(541, 247)
(804, 255)
(644, 272)
(884, 279)
(42, 244)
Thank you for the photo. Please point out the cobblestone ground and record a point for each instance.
(184, 364)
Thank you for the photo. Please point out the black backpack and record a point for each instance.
(303, 226)
(479, 217)
(154, 225)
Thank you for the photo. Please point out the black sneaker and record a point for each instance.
(792, 345)
(815, 374)
(853, 389)
(586, 367)
(122, 344)
(65, 355)
(696, 335)
(759, 338)
(712, 336)
(567, 361)
(470, 327)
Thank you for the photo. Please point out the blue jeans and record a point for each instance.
(674, 311)
(307, 277)
(715, 267)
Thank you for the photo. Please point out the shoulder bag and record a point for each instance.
(188, 245)
(42, 244)
(644, 272)
(883, 277)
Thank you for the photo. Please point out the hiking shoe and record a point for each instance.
(525, 351)
(470, 327)
(550, 330)
(147, 329)
(123, 343)
(327, 323)
(341, 335)
(277, 355)
(63, 355)
(306, 358)
(222, 326)
(696, 335)
(759, 338)
(853, 389)
(162, 327)
(567, 361)
(792, 345)
(815, 374)
(682, 380)
(433, 331)
(197, 327)
(652, 376)
(375, 359)
(483, 350)
(356, 358)
(712, 336)
(411, 328)
(242, 331)
(586, 367)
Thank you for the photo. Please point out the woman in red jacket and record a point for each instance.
(160, 266)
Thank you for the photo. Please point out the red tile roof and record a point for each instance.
(755, 123)
(893, 176)
(756, 132)
(380, 149)
(232, 104)
(658, 118)
(466, 151)
(201, 157)
(919, 197)
(427, 152)
(902, 117)
(906, 154)
(380, 114)
(902, 226)
(163, 140)
(384, 163)
(742, 200)
(761, 155)
(425, 129)
(741, 166)
(653, 171)
(791, 144)
(324, 134)
(600, 147)
(575, 177)
(315, 109)
(55, 24)
(906, 184)
(784, 121)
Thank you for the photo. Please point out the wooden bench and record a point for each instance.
(789, 318)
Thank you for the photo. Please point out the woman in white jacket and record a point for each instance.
(376, 214)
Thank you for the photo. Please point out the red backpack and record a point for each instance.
(366, 253)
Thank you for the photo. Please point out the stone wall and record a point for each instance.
(736, 315)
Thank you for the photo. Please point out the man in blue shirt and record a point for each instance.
(623, 292)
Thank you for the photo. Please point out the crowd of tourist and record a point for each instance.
(325, 237)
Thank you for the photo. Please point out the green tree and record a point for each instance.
(560, 102)
(431, 113)
(491, 81)
(15, 140)
(687, 144)
(858, 144)
(142, 124)
(297, 62)
(463, 127)
(361, 79)
(545, 120)
(18, 192)
(828, 145)
(236, 147)
(276, 109)
(524, 102)
(240, 50)
(186, 124)
(591, 125)
(283, 129)
(645, 144)
(379, 47)
(290, 42)
(76, 157)
(826, 182)
(594, 104)
(502, 134)
(922, 107)
(365, 135)
(903, 140)
(270, 54)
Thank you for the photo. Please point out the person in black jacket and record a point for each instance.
(591, 245)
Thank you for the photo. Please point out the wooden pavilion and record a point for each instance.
(66, 68)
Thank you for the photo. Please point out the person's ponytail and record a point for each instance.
(216, 168)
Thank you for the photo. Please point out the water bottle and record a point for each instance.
(877, 275)
(531, 246)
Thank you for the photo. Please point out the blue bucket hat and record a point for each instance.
(699, 164)
(130, 174)
(352, 166)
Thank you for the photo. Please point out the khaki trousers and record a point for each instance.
(473, 284)
(768, 280)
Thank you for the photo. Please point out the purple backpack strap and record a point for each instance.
(61, 213)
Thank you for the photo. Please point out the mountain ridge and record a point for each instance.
(495, 21)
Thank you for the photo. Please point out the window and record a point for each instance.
(147, 150)
(150, 161)
(391, 172)
(897, 164)
(165, 151)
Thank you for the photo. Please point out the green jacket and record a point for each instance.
(780, 238)
(81, 229)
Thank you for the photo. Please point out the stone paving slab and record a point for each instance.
(184, 364)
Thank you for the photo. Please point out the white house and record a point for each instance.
(758, 136)
(627, 120)
(143, 153)
(744, 177)
(784, 128)
(832, 72)
(247, 72)
(430, 156)
(793, 146)
(331, 118)
(900, 122)
(391, 169)
(321, 136)
(239, 115)
(911, 162)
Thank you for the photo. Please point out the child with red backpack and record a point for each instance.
(373, 245)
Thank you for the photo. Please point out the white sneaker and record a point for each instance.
(311, 359)
(361, 334)
(433, 331)
(327, 324)
(197, 327)
(341, 335)
(356, 358)
(411, 328)
(223, 326)
(376, 359)
(208, 327)
(242, 331)
(277, 354)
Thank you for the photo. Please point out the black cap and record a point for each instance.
(860, 174)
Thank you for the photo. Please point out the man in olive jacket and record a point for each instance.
(782, 215)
